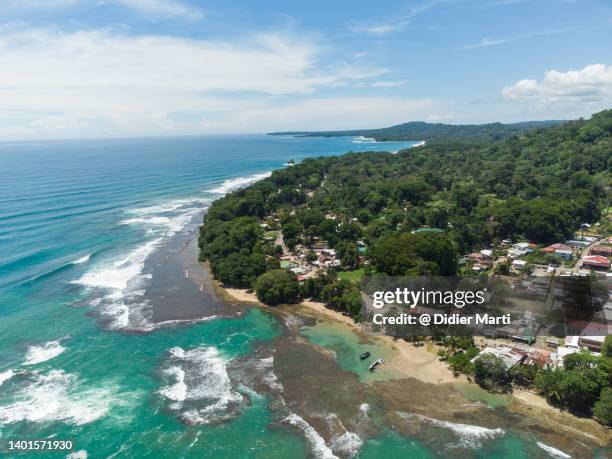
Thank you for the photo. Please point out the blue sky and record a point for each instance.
(104, 68)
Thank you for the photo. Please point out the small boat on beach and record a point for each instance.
(364, 356)
(375, 364)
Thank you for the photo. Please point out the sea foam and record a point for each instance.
(470, 436)
(6, 375)
(317, 444)
(57, 396)
(42, 353)
(199, 387)
(239, 182)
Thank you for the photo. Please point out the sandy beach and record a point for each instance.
(422, 363)
(409, 361)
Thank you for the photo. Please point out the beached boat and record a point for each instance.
(364, 356)
(375, 364)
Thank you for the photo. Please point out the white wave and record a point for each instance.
(239, 182)
(362, 139)
(469, 435)
(317, 444)
(178, 390)
(201, 384)
(164, 225)
(168, 323)
(82, 454)
(169, 206)
(348, 444)
(120, 281)
(553, 452)
(6, 375)
(47, 351)
(419, 144)
(57, 396)
(83, 259)
(117, 275)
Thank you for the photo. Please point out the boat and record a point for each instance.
(364, 356)
(375, 364)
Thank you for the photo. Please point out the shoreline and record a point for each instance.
(422, 363)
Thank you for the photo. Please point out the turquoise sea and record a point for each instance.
(109, 334)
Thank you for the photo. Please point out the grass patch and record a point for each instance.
(353, 276)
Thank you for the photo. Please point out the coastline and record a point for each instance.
(421, 363)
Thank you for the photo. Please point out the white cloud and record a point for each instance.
(388, 83)
(378, 29)
(165, 8)
(392, 25)
(592, 83)
(563, 95)
(101, 59)
(486, 42)
(328, 113)
(96, 83)
(154, 8)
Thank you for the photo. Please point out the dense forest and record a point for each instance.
(416, 211)
(436, 132)
(539, 186)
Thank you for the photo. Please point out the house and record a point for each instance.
(562, 352)
(518, 264)
(602, 250)
(593, 335)
(577, 243)
(539, 357)
(562, 250)
(511, 356)
(596, 262)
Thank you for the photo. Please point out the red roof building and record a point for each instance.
(553, 248)
(601, 250)
(596, 261)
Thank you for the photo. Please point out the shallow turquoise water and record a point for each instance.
(84, 229)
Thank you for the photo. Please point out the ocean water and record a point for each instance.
(109, 335)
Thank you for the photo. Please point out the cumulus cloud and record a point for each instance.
(588, 86)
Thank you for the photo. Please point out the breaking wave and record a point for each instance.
(42, 353)
(317, 444)
(121, 283)
(470, 436)
(198, 386)
(553, 452)
(83, 259)
(6, 375)
(58, 396)
(239, 182)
